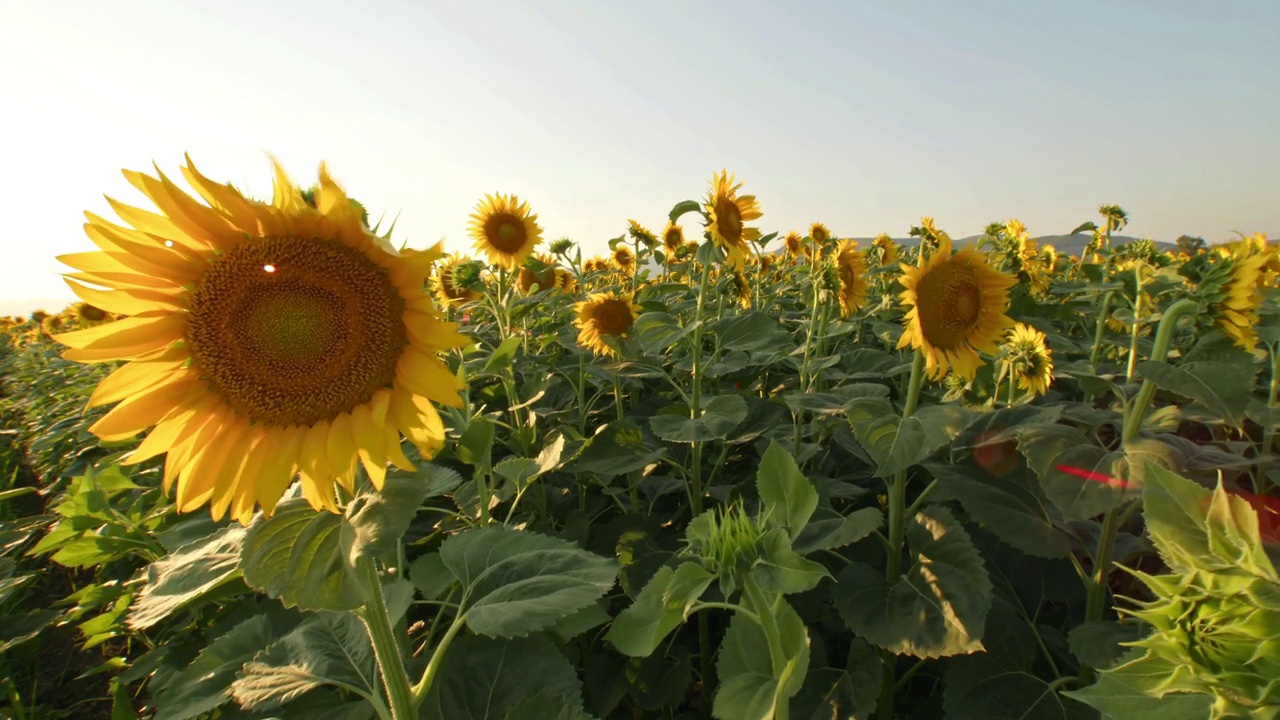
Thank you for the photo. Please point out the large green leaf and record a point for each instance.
(1010, 505)
(719, 417)
(788, 496)
(1049, 448)
(750, 687)
(331, 648)
(616, 449)
(516, 583)
(1219, 386)
(849, 693)
(520, 679)
(753, 331)
(895, 443)
(937, 608)
(826, 533)
(1097, 643)
(662, 605)
(206, 683)
(190, 573)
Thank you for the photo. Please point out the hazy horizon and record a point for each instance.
(860, 115)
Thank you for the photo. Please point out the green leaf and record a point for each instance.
(1219, 386)
(503, 355)
(516, 583)
(662, 605)
(937, 608)
(754, 332)
(430, 576)
(187, 575)
(1010, 505)
(788, 496)
(750, 689)
(1047, 447)
(849, 693)
(520, 679)
(374, 522)
(682, 207)
(205, 684)
(296, 555)
(1128, 691)
(1195, 529)
(833, 532)
(942, 424)
(719, 417)
(476, 443)
(656, 331)
(781, 569)
(1097, 643)
(330, 648)
(616, 449)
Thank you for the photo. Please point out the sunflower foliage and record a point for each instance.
(699, 469)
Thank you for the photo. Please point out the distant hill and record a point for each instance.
(1064, 244)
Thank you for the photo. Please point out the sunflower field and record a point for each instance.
(276, 465)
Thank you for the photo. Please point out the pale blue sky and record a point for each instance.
(864, 115)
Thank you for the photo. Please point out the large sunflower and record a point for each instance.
(1030, 359)
(505, 230)
(672, 237)
(622, 257)
(728, 212)
(604, 315)
(957, 309)
(265, 341)
(853, 277)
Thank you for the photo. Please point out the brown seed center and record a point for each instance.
(505, 232)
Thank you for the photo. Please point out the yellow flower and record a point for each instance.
(852, 269)
(623, 258)
(566, 280)
(87, 315)
(888, 249)
(1237, 312)
(444, 281)
(595, 264)
(545, 279)
(641, 233)
(505, 230)
(265, 341)
(742, 291)
(672, 237)
(957, 309)
(794, 242)
(819, 233)
(601, 316)
(1029, 358)
(728, 213)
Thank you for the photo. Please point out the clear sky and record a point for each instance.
(864, 114)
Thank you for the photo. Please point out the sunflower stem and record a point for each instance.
(1262, 483)
(1104, 308)
(419, 691)
(897, 526)
(695, 486)
(1159, 353)
(769, 624)
(1133, 333)
(385, 647)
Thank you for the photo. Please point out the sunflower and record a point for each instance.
(728, 212)
(742, 291)
(1029, 359)
(853, 277)
(505, 230)
(887, 248)
(957, 309)
(265, 340)
(454, 279)
(819, 233)
(545, 278)
(1236, 304)
(566, 280)
(641, 233)
(793, 243)
(604, 315)
(622, 257)
(595, 264)
(672, 237)
(87, 315)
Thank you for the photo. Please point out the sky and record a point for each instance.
(861, 114)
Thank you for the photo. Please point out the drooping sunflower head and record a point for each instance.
(265, 340)
(728, 213)
(819, 233)
(505, 230)
(1029, 359)
(87, 315)
(456, 279)
(886, 248)
(1232, 288)
(793, 242)
(742, 291)
(852, 269)
(566, 280)
(538, 271)
(672, 237)
(622, 257)
(641, 233)
(956, 309)
(601, 317)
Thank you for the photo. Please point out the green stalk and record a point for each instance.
(695, 486)
(419, 692)
(769, 624)
(1104, 308)
(385, 647)
(897, 525)
(1133, 333)
(1160, 351)
(1261, 483)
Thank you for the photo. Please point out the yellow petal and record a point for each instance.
(223, 197)
(138, 376)
(428, 376)
(276, 473)
(147, 408)
(133, 301)
(156, 329)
